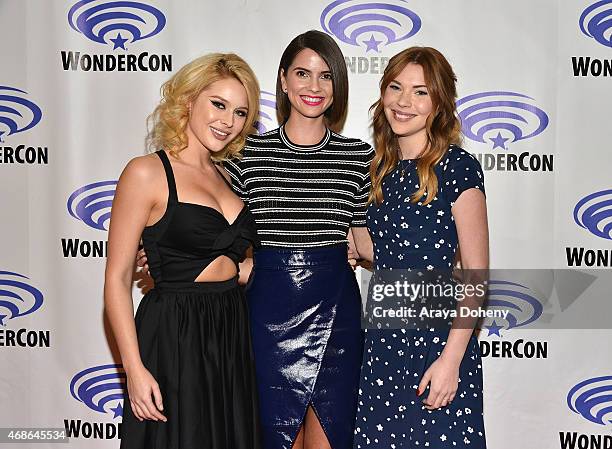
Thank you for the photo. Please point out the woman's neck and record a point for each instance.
(305, 130)
(411, 147)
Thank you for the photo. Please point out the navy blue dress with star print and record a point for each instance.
(410, 235)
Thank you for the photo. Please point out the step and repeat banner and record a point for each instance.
(78, 79)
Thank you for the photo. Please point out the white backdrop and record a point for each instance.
(519, 92)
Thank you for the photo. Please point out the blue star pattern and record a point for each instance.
(410, 235)
(499, 141)
(494, 329)
(372, 44)
(117, 411)
(119, 42)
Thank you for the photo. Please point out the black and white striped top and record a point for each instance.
(303, 196)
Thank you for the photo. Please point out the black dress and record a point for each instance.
(194, 337)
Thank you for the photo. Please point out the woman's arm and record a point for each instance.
(245, 267)
(132, 206)
(363, 243)
(470, 214)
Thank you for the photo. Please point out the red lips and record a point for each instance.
(312, 100)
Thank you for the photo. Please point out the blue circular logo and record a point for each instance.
(101, 388)
(267, 112)
(594, 213)
(92, 204)
(592, 398)
(596, 22)
(116, 22)
(17, 113)
(17, 297)
(511, 115)
(515, 298)
(370, 24)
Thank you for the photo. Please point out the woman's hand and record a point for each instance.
(362, 243)
(145, 396)
(352, 253)
(141, 261)
(245, 269)
(443, 379)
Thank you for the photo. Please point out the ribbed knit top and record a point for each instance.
(303, 196)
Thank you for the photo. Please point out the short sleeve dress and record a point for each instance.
(410, 235)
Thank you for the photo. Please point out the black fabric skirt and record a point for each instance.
(194, 338)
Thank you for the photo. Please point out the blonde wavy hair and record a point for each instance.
(442, 126)
(168, 122)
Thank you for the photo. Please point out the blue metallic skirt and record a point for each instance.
(307, 340)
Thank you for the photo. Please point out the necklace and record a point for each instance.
(403, 167)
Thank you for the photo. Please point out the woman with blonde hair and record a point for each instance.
(422, 387)
(187, 354)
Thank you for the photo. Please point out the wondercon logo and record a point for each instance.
(267, 112)
(115, 22)
(101, 388)
(92, 204)
(17, 296)
(592, 398)
(514, 298)
(499, 117)
(370, 24)
(596, 22)
(17, 113)
(594, 213)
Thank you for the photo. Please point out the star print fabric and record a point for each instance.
(410, 235)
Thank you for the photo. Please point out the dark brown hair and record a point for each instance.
(325, 46)
(443, 126)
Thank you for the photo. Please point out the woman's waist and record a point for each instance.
(196, 287)
(280, 258)
(187, 268)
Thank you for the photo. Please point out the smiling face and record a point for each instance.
(218, 114)
(407, 105)
(308, 84)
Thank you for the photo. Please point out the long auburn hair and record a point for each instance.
(442, 126)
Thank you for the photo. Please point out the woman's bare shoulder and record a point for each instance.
(147, 168)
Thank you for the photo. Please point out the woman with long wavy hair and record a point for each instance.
(187, 354)
(422, 386)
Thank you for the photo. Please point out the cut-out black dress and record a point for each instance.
(194, 337)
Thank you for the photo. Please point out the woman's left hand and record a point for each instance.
(443, 379)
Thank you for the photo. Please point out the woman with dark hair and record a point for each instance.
(422, 387)
(306, 186)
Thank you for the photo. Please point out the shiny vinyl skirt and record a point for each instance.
(307, 340)
(194, 339)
